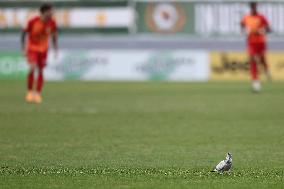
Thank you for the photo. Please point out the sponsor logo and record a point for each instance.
(234, 65)
(280, 65)
(74, 64)
(101, 18)
(165, 17)
(12, 65)
(227, 64)
(160, 66)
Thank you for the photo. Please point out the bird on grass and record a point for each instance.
(224, 165)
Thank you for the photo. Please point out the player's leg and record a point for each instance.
(263, 62)
(253, 67)
(253, 60)
(256, 86)
(31, 58)
(261, 51)
(40, 79)
(37, 97)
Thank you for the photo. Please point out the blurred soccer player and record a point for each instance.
(39, 29)
(256, 27)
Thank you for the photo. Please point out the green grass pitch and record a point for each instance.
(141, 135)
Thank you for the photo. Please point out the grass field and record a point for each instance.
(141, 135)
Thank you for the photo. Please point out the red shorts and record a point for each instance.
(256, 49)
(38, 58)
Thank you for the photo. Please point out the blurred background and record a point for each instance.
(142, 40)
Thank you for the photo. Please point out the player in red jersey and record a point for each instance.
(39, 29)
(256, 27)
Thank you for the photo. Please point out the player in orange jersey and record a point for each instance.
(39, 29)
(256, 27)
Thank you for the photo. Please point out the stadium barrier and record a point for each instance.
(75, 16)
(203, 18)
(233, 65)
(142, 65)
(134, 65)
(12, 65)
(196, 18)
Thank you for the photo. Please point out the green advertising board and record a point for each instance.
(204, 18)
(158, 17)
(12, 65)
(104, 20)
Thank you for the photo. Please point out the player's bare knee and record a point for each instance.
(32, 68)
(256, 58)
(251, 58)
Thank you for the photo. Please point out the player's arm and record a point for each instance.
(268, 29)
(54, 37)
(23, 41)
(55, 40)
(24, 33)
(243, 25)
(265, 25)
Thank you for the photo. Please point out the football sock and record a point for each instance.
(253, 70)
(265, 65)
(39, 81)
(30, 80)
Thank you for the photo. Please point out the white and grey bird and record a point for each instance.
(224, 165)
